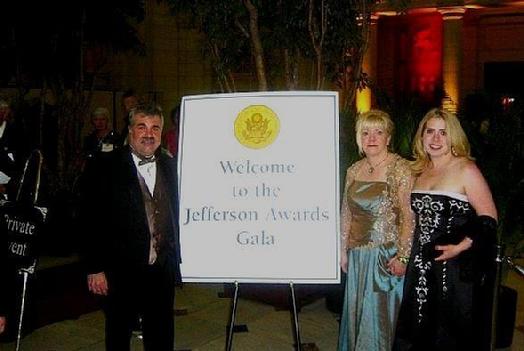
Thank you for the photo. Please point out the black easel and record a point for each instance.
(500, 261)
(25, 272)
(28, 195)
(231, 325)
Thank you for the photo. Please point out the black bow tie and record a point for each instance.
(146, 160)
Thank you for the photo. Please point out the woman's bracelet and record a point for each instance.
(403, 259)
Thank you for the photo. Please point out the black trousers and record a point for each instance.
(149, 292)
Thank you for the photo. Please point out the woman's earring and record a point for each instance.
(453, 151)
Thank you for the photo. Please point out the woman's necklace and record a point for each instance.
(372, 168)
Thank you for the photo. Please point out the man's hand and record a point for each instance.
(2, 324)
(97, 283)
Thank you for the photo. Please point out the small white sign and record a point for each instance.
(258, 181)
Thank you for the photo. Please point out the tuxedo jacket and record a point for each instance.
(114, 218)
(4, 280)
(8, 151)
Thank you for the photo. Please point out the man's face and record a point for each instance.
(145, 134)
(4, 113)
(99, 122)
(130, 103)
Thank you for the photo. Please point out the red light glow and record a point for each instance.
(424, 49)
(410, 55)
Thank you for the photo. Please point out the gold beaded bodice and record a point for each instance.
(374, 213)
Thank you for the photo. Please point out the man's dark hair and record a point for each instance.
(175, 114)
(128, 93)
(150, 109)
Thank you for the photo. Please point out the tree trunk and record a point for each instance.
(72, 109)
(358, 59)
(317, 32)
(224, 77)
(256, 45)
(290, 70)
(43, 93)
(350, 77)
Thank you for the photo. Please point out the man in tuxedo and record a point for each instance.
(3, 276)
(129, 101)
(8, 141)
(133, 252)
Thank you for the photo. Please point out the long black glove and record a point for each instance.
(479, 260)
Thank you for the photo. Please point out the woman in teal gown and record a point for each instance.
(376, 233)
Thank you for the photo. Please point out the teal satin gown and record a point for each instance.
(372, 295)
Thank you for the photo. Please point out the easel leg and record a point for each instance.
(298, 343)
(498, 273)
(25, 275)
(229, 341)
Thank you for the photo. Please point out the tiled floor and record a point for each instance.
(204, 326)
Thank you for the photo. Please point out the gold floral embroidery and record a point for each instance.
(396, 221)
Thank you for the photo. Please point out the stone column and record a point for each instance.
(452, 55)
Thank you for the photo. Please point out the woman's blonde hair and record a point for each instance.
(373, 119)
(457, 139)
(100, 111)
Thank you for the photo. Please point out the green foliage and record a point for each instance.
(216, 20)
(498, 146)
(406, 115)
(400, 6)
(283, 25)
(348, 145)
(344, 35)
(348, 150)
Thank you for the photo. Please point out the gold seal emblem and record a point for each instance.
(256, 126)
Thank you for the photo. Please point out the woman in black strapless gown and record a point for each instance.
(449, 281)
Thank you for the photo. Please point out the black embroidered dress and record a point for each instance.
(439, 307)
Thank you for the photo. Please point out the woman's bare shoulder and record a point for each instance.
(466, 168)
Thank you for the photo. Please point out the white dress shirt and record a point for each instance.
(148, 172)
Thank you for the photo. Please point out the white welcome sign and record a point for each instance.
(259, 197)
